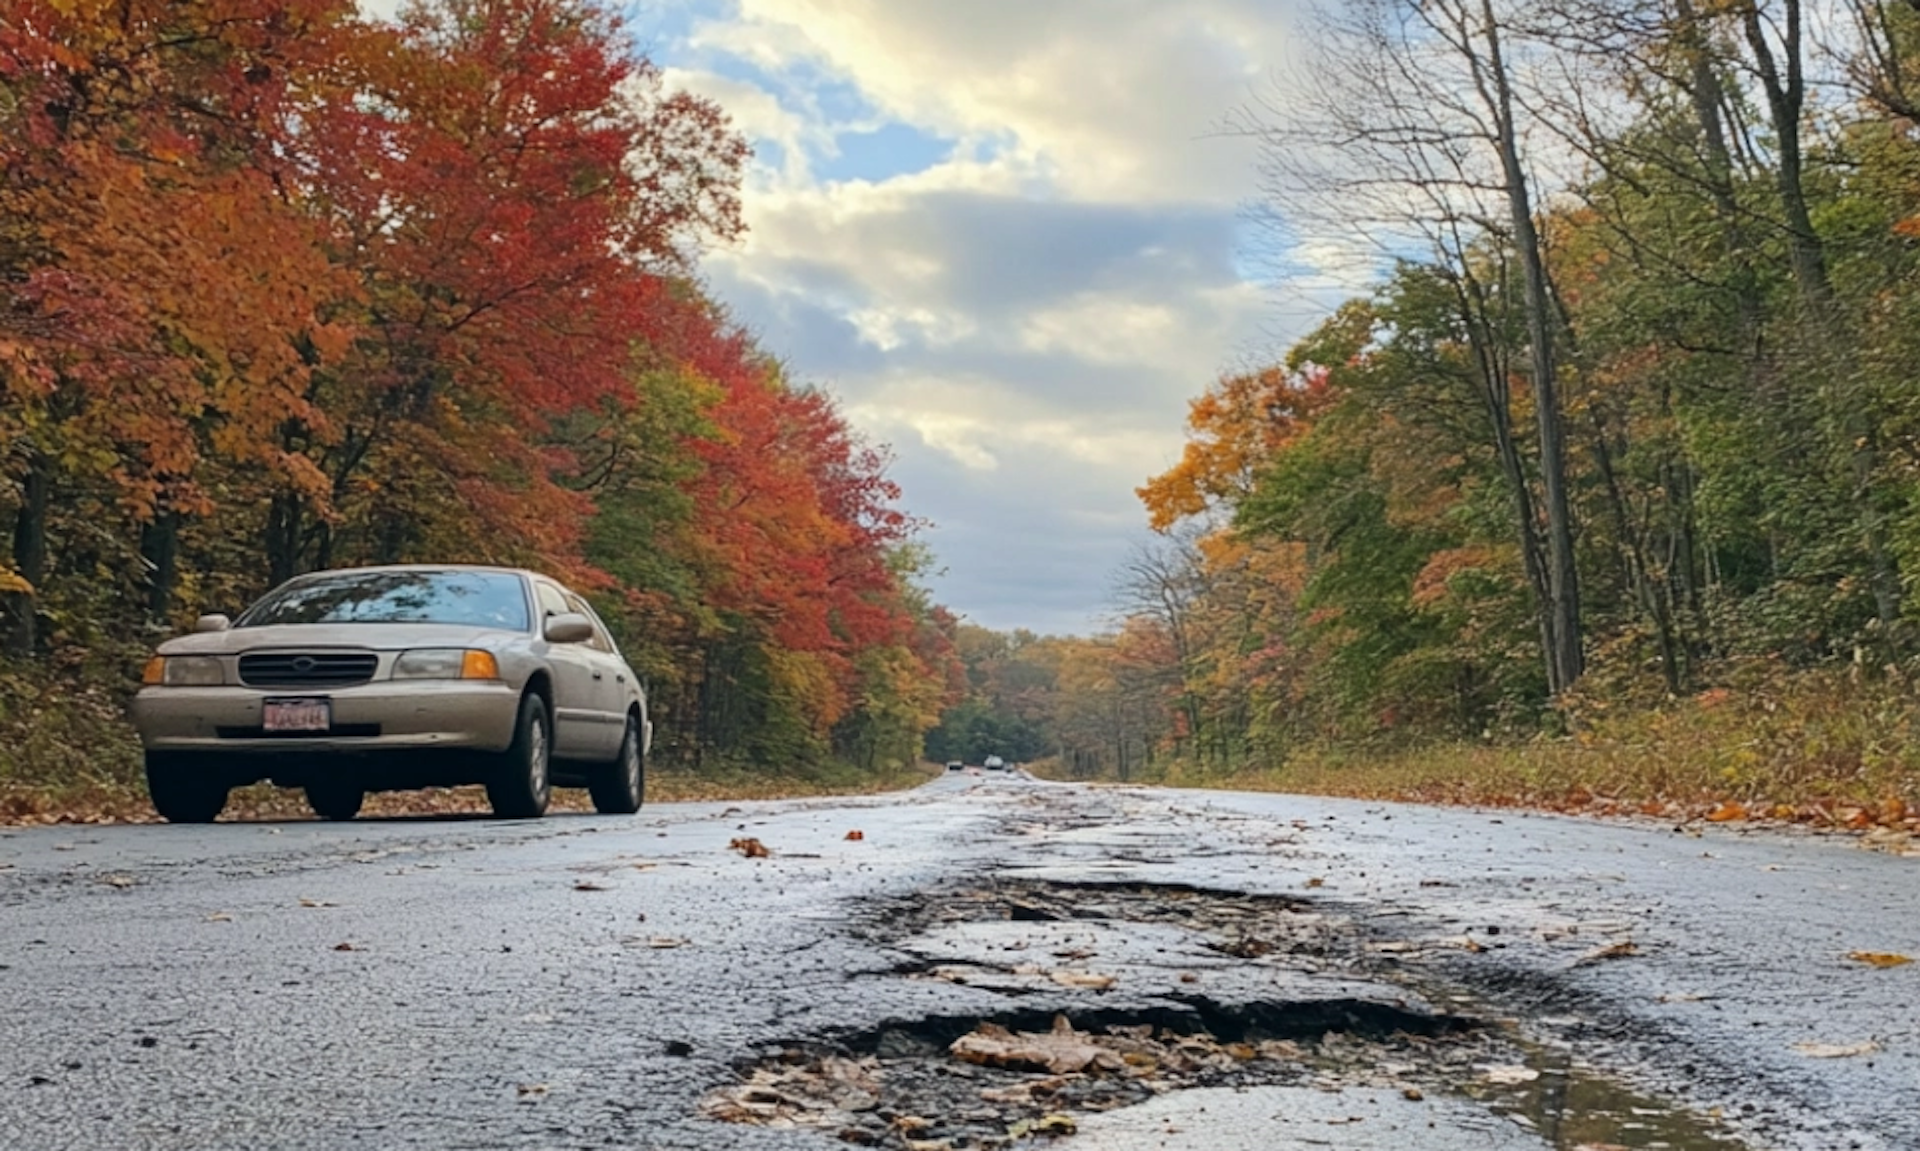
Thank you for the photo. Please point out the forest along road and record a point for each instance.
(990, 962)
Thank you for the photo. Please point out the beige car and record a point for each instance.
(387, 678)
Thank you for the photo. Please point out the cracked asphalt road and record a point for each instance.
(588, 981)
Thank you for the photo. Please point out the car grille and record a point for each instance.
(307, 669)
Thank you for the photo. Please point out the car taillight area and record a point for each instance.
(307, 669)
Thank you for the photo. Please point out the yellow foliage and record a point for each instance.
(1239, 424)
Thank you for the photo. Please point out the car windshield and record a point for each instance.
(478, 599)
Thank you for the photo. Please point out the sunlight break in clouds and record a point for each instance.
(1035, 259)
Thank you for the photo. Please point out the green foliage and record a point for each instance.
(1737, 400)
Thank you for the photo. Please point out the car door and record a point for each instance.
(610, 683)
(577, 714)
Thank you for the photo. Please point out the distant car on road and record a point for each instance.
(389, 678)
(994, 763)
(955, 765)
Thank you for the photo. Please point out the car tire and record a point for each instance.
(620, 787)
(521, 783)
(335, 800)
(181, 791)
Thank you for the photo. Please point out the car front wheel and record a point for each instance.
(619, 787)
(521, 783)
(182, 792)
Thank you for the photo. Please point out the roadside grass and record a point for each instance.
(1827, 750)
(68, 755)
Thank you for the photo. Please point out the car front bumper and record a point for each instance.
(386, 715)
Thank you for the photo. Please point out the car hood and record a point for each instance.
(362, 636)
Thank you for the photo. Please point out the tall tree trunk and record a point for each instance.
(1783, 78)
(1709, 98)
(1497, 398)
(1563, 580)
(284, 516)
(29, 556)
(160, 547)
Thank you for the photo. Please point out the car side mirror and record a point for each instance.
(214, 622)
(568, 627)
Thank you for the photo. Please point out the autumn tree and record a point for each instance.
(1406, 136)
(282, 287)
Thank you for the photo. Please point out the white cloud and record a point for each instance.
(1025, 315)
(1113, 97)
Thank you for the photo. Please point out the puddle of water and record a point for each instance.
(1572, 1109)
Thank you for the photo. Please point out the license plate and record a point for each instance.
(281, 715)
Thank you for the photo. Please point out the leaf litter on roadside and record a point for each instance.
(750, 847)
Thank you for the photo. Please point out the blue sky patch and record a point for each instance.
(892, 150)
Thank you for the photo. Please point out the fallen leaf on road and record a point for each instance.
(1316, 882)
(1055, 1125)
(118, 880)
(1508, 1075)
(1412, 1095)
(1063, 1051)
(345, 947)
(751, 848)
(590, 885)
(1879, 958)
(856, 836)
(1836, 1050)
(219, 917)
(800, 1093)
(305, 902)
(666, 942)
(1084, 979)
(530, 1092)
(1683, 997)
(1727, 813)
(1625, 949)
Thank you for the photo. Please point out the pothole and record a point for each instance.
(1079, 1004)
(957, 1085)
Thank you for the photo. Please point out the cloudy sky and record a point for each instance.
(1010, 237)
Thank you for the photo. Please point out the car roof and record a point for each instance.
(495, 569)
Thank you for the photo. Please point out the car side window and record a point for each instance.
(552, 603)
(601, 641)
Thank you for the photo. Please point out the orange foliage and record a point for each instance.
(1239, 424)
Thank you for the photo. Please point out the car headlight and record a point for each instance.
(184, 671)
(446, 663)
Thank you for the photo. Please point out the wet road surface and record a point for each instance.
(1240, 971)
